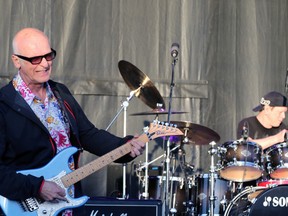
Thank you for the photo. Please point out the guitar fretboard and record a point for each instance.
(95, 165)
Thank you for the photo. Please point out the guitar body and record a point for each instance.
(58, 171)
(53, 171)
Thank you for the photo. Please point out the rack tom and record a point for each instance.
(277, 161)
(241, 161)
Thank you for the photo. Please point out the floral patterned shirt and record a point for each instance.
(50, 114)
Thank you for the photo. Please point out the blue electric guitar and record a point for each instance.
(57, 170)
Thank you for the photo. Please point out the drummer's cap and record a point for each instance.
(273, 99)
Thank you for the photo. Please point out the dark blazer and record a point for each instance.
(25, 143)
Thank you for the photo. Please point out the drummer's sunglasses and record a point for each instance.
(37, 59)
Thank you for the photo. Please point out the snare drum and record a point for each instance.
(272, 182)
(241, 162)
(277, 161)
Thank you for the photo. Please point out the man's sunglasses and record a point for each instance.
(38, 59)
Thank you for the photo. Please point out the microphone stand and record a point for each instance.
(167, 161)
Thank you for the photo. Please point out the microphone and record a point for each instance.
(174, 50)
(286, 81)
(245, 131)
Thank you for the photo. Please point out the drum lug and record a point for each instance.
(256, 161)
(219, 166)
(224, 203)
(268, 167)
(257, 150)
(181, 183)
(262, 159)
(191, 181)
(267, 157)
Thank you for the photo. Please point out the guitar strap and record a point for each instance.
(65, 115)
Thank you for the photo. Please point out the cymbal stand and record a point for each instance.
(124, 105)
(145, 195)
(172, 204)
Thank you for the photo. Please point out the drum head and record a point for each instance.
(273, 201)
(280, 173)
(241, 173)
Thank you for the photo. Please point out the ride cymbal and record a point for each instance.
(141, 84)
(197, 134)
(157, 111)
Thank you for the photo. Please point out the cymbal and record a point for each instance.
(197, 134)
(157, 111)
(141, 84)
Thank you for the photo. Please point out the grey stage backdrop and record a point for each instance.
(231, 53)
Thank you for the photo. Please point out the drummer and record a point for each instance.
(267, 127)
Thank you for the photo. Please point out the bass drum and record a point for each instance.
(271, 201)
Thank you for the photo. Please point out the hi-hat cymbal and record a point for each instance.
(141, 84)
(157, 111)
(197, 134)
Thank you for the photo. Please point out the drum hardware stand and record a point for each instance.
(145, 165)
(190, 206)
(212, 151)
(124, 105)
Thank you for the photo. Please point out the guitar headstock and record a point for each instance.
(159, 129)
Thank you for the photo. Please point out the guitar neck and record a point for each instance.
(155, 130)
(97, 164)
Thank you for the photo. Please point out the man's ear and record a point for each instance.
(267, 108)
(16, 61)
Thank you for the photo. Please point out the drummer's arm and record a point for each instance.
(271, 140)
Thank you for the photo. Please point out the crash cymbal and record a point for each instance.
(196, 134)
(157, 111)
(141, 84)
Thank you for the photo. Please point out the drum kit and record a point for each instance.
(243, 178)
